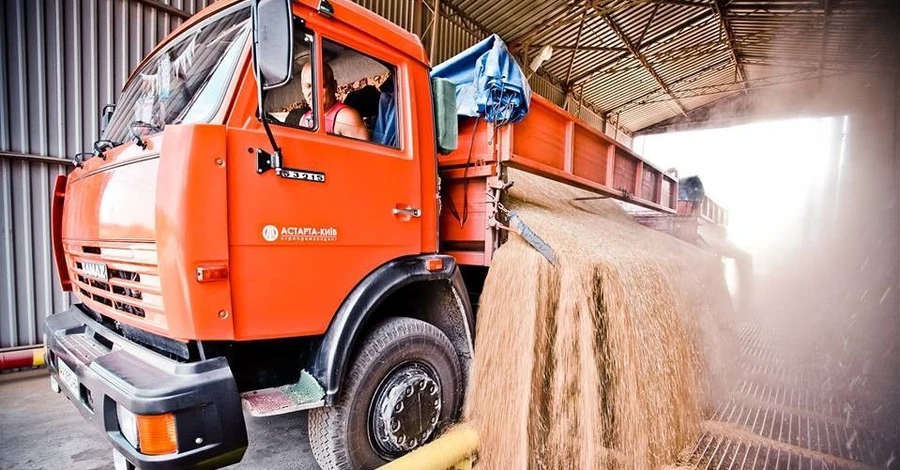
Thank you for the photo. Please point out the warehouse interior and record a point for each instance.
(788, 109)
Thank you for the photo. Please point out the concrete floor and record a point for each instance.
(41, 430)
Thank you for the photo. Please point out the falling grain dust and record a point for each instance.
(604, 360)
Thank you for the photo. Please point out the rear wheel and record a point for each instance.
(404, 385)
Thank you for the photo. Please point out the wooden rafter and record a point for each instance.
(692, 22)
(643, 60)
(557, 47)
(689, 78)
(575, 52)
(725, 27)
(640, 41)
(569, 14)
(827, 10)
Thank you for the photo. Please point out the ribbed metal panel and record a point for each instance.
(29, 289)
(541, 86)
(453, 37)
(399, 12)
(60, 61)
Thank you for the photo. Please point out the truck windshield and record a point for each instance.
(185, 81)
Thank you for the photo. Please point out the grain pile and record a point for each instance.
(602, 361)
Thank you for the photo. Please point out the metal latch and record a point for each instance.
(517, 225)
(410, 211)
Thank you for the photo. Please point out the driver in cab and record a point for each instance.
(340, 119)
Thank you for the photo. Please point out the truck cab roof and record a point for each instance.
(346, 11)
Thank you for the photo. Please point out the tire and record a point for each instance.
(398, 354)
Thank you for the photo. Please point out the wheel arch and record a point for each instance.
(403, 286)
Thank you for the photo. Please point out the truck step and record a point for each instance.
(303, 395)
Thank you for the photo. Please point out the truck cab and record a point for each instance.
(237, 244)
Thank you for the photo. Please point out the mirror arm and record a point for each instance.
(106, 116)
(274, 160)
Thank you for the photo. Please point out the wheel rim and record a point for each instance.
(405, 409)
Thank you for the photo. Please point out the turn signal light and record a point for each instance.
(212, 273)
(434, 264)
(156, 434)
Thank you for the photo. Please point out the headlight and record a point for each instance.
(128, 425)
(149, 434)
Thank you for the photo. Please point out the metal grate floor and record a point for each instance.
(784, 414)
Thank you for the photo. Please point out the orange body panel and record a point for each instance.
(293, 285)
(554, 144)
(150, 217)
(109, 218)
(549, 142)
(193, 198)
(191, 216)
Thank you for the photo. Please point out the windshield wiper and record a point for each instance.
(100, 147)
(145, 125)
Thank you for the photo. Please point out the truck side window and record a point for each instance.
(291, 105)
(359, 95)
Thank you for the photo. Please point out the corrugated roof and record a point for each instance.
(641, 62)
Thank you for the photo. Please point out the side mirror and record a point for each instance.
(445, 119)
(106, 113)
(273, 42)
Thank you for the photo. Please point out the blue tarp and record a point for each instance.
(489, 82)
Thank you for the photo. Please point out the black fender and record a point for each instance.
(328, 364)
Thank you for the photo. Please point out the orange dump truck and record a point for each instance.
(241, 245)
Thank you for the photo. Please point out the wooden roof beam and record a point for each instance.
(560, 47)
(827, 8)
(575, 52)
(725, 27)
(643, 60)
(666, 35)
(689, 78)
(448, 4)
(571, 12)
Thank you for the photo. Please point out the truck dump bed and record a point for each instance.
(551, 143)
(696, 222)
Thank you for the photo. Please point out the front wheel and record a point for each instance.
(404, 385)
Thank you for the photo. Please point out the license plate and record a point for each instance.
(67, 377)
(94, 270)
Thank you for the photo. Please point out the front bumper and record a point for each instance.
(110, 369)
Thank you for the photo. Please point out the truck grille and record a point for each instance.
(131, 282)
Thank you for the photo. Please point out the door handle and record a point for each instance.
(408, 211)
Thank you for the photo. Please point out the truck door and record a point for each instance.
(349, 199)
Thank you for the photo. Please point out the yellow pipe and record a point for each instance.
(37, 357)
(452, 450)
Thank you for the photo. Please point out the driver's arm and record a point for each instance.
(349, 123)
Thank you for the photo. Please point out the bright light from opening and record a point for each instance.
(774, 178)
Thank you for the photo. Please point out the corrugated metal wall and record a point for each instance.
(399, 12)
(543, 87)
(60, 61)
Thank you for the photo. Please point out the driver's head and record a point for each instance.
(329, 87)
